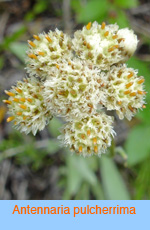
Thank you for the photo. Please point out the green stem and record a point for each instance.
(122, 153)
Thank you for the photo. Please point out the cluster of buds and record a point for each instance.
(79, 79)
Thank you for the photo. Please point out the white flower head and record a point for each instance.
(125, 91)
(26, 106)
(75, 91)
(88, 136)
(46, 52)
(103, 45)
(129, 42)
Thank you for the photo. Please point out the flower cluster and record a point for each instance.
(79, 79)
(46, 52)
(103, 46)
(75, 90)
(125, 92)
(27, 107)
(89, 135)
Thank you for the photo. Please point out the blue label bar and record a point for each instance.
(74, 214)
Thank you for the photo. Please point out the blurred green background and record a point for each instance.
(38, 167)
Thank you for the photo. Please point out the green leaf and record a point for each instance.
(79, 171)
(84, 170)
(138, 144)
(143, 68)
(76, 5)
(98, 191)
(19, 49)
(113, 184)
(16, 35)
(93, 10)
(54, 126)
(40, 7)
(29, 16)
(53, 146)
(74, 180)
(144, 115)
(126, 3)
(1, 62)
(84, 193)
(121, 19)
(142, 185)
